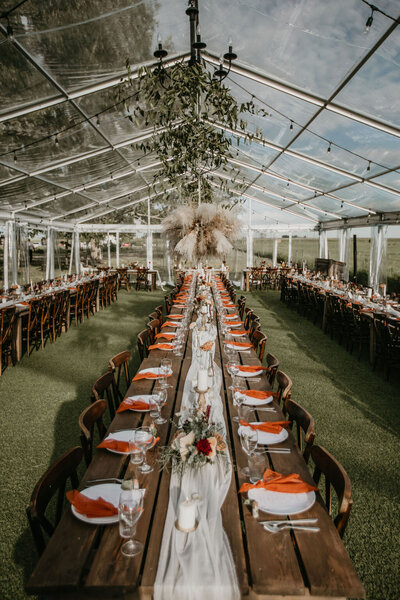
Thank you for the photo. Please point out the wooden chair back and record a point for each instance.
(305, 426)
(144, 341)
(142, 278)
(123, 278)
(168, 304)
(154, 327)
(273, 365)
(335, 476)
(117, 364)
(284, 388)
(259, 339)
(104, 388)
(90, 418)
(7, 320)
(52, 482)
(241, 306)
(247, 319)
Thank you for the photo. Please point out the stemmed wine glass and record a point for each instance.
(130, 508)
(233, 370)
(143, 440)
(248, 440)
(160, 397)
(238, 400)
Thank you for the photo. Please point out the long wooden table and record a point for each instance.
(82, 559)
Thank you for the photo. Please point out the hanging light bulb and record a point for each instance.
(160, 52)
(198, 44)
(291, 125)
(230, 55)
(370, 20)
(56, 139)
(329, 147)
(98, 120)
(369, 166)
(10, 31)
(15, 157)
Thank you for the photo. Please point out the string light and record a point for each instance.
(291, 125)
(98, 120)
(329, 147)
(15, 157)
(369, 166)
(370, 20)
(56, 139)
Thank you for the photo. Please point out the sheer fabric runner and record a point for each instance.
(198, 565)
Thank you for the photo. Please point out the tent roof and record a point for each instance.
(330, 148)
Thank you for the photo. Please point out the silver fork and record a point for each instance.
(290, 521)
(275, 528)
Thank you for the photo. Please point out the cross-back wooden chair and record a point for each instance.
(142, 278)
(119, 364)
(168, 304)
(255, 278)
(92, 297)
(154, 327)
(45, 321)
(153, 315)
(272, 368)
(255, 324)
(104, 388)
(335, 477)
(305, 426)
(31, 325)
(143, 342)
(76, 305)
(284, 388)
(123, 278)
(52, 482)
(90, 418)
(159, 310)
(258, 339)
(247, 319)
(241, 306)
(7, 320)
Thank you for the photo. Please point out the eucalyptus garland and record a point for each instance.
(179, 105)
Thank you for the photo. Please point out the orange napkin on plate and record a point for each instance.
(134, 404)
(239, 344)
(175, 316)
(267, 426)
(161, 347)
(230, 322)
(276, 482)
(237, 331)
(168, 324)
(165, 336)
(90, 507)
(232, 315)
(116, 445)
(251, 368)
(148, 375)
(258, 394)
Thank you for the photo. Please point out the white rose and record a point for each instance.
(184, 443)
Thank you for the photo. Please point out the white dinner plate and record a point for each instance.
(230, 317)
(146, 398)
(254, 374)
(238, 348)
(235, 325)
(109, 492)
(248, 401)
(172, 324)
(120, 436)
(236, 334)
(278, 503)
(268, 439)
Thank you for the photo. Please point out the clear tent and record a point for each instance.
(329, 157)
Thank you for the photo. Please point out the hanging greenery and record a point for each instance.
(179, 103)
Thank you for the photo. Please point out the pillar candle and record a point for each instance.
(202, 380)
(187, 515)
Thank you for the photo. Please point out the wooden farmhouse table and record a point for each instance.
(83, 560)
(152, 274)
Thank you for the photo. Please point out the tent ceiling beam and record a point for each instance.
(320, 102)
(388, 218)
(85, 90)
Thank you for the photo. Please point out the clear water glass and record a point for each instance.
(144, 439)
(130, 508)
(135, 452)
(160, 398)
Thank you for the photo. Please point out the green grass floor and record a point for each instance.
(41, 399)
(357, 418)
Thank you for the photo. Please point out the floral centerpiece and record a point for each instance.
(196, 443)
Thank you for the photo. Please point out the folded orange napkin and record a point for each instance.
(229, 322)
(258, 394)
(89, 507)
(165, 336)
(276, 482)
(232, 315)
(175, 316)
(148, 375)
(251, 368)
(237, 331)
(116, 445)
(129, 404)
(267, 426)
(161, 347)
(179, 301)
(239, 344)
(168, 324)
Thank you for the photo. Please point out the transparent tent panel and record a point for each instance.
(21, 82)
(21, 193)
(391, 180)
(268, 36)
(312, 175)
(370, 143)
(87, 170)
(370, 197)
(374, 89)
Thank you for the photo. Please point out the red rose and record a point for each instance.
(203, 446)
(198, 299)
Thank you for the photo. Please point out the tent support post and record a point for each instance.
(108, 250)
(275, 252)
(6, 255)
(71, 258)
(77, 254)
(117, 250)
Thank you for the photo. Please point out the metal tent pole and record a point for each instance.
(108, 250)
(72, 254)
(77, 254)
(290, 249)
(275, 252)
(6, 255)
(117, 249)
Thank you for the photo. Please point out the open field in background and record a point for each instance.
(303, 249)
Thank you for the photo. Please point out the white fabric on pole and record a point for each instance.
(77, 254)
(290, 250)
(6, 255)
(71, 258)
(48, 245)
(275, 252)
(198, 565)
(377, 273)
(108, 250)
(117, 250)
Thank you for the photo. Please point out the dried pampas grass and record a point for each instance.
(198, 232)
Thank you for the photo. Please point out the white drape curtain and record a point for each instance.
(377, 257)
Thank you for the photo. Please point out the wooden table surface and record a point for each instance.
(82, 559)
